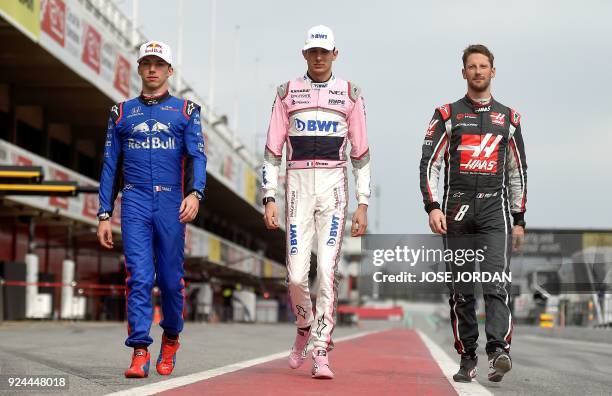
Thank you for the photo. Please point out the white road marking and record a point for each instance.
(173, 383)
(566, 341)
(449, 367)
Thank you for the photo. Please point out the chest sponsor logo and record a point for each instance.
(151, 127)
(316, 125)
(465, 124)
(482, 109)
(431, 128)
(338, 93)
(461, 116)
(336, 102)
(169, 108)
(136, 111)
(498, 118)
(479, 153)
(316, 85)
(156, 136)
(298, 102)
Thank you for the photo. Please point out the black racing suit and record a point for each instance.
(485, 183)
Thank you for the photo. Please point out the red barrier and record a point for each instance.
(372, 312)
(59, 284)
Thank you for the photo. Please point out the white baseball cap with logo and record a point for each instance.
(155, 48)
(320, 36)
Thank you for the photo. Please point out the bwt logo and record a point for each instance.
(293, 239)
(316, 125)
(319, 36)
(333, 232)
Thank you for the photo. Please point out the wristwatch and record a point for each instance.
(104, 216)
(197, 194)
(520, 223)
(268, 199)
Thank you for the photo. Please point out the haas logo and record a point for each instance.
(479, 153)
(431, 129)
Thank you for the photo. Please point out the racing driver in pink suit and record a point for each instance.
(316, 115)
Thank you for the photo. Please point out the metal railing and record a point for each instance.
(121, 25)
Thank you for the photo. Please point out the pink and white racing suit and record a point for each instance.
(316, 120)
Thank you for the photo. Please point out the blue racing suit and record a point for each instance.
(156, 145)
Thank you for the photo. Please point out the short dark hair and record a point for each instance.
(477, 49)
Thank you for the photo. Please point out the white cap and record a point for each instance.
(156, 48)
(320, 37)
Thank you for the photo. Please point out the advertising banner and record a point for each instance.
(77, 38)
(24, 15)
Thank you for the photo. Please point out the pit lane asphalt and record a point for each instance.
(543, 363)
(93, 356)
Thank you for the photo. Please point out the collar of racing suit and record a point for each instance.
(319, 85)
(479, 104)
(153, 100)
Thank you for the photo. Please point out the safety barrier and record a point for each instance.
(547, 321)
(393, 313)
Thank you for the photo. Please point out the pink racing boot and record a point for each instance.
(298, 352)
(320, 365)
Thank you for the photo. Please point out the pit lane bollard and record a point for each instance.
(547, 321)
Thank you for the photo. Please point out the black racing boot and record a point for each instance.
(499, 364)
(467, 368)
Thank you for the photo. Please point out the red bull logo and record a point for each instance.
(154, 48)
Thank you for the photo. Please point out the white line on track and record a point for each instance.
(173, 383)
(449, 367)
(566, 341)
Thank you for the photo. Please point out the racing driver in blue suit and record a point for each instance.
(154, 153)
